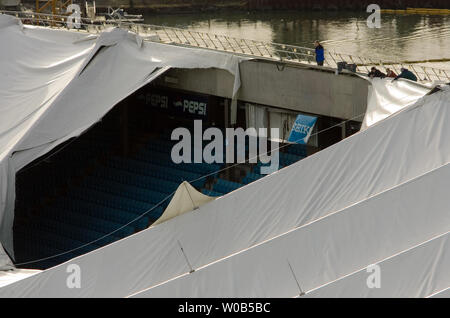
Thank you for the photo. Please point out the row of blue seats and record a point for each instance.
(257, 168)
(166, 144)
(67, 230)
(51, 180)
(40, 257)
(137, 180)
(72, 222)
(81, 152)
(108, 213)
(38, 244)
(251, 177)
(290, 157)
(52, 240)
(104, 202)
(284, 160)
(166, 160)
(296, 149)
(110, 200)
(57, 173)
(154, 170)
(211, 193)
(91, 222)
(225, 186)
(124, 190)
(160, 146)
(32, 246)
(100, 135)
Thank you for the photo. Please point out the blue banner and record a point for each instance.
(302, 129)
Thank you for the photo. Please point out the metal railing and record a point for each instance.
(251, 48)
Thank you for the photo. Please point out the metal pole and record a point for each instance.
(191, 270)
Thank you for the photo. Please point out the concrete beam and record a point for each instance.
(283, 85)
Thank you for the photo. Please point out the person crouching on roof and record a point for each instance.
(407, 74)
(320, 53)
(390, 73)
(374, 72)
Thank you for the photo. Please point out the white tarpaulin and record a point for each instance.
(337, 245)
(54, 84)
(185, 199)
(387, 97)
(10, 276)
(442, 294)
(5, 262)
(396, 151)
(417, 272)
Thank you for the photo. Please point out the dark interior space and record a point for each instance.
(117, 178)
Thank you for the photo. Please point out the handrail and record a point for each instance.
(247, 47)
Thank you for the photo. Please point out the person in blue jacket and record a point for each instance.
(320, 53)
(405, 73)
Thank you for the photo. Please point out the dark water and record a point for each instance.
(401, 37)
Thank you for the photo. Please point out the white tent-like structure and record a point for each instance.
(69, 82)
(389, 229)
(377, 197)
(8, 273)
(10, 276)
(5, 262)
(404, 230)
(442, 294)
(185, 199)
(386, 97)
(377, 194)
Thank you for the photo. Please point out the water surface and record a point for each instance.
(400, 38)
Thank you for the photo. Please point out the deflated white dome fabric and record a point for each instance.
(55, 84)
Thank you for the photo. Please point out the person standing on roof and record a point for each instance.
(406, 74)
(320, 53)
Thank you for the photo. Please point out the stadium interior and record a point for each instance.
(120, 172)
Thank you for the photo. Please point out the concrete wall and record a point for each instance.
(281, 85)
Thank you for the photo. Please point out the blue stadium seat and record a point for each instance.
(225, 186)
(211, 193)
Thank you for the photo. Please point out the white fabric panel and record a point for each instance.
(185, 199)
(400, 148)
(387, 97)
(69, 83)
(31, 82)
(11, 276)
(417, 272)
(442, 294)
(5, 262)
(338, 245)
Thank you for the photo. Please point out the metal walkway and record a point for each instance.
(251, 48)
